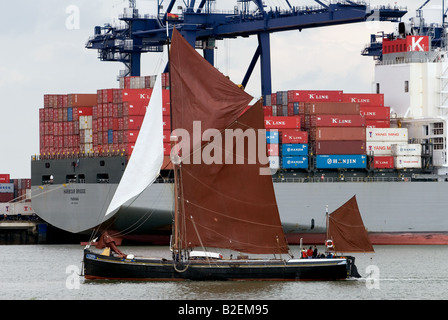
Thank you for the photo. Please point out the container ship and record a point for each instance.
(387, 147)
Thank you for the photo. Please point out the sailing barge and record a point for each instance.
(219, 204)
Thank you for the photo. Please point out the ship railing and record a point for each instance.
(336, 179)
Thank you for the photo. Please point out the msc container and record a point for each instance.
(282, 122)
(375, 112)
(295, 162)
(273, 149)
(292, 149)
(332, 108)
(387, 134)
(341, 161)
(327, 120)
(272, 136)
(294, 136)
(338, 147)
(385, 162)
(364, 99)
(314, 96)
(381, 148)
(338, 133)
(6, 187)
(407, 162)
(406, 149)
(274, 162)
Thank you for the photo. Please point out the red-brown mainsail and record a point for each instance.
(223, 205)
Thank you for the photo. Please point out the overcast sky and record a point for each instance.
(44, 53)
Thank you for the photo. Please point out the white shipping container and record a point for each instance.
(407, 162)
(379, 148)
(22, 208)
(274, 162)
(85, 122)
(406, 149)
(6, 187)
(387, 134)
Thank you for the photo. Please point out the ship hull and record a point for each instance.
(393, 212)
(114, 268)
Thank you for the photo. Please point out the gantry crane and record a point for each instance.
(201, 26)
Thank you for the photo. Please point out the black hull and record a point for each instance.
(107, 267)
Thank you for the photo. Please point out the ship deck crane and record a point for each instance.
(201, 26)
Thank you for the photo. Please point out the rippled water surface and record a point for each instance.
(49, 272)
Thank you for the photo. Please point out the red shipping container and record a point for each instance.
(166, 109)
(81, 100)
(273, 149)
(364, 99)
(375, 112)
(6, 197)
(327, 120)
(136, 95)
(4, 178)
(166, 135)
(84, 111)
(314, 96)
(282, 122)
(166, 122)
(339, 147)
(130, 136)
(332, 108)
(133, 122)
(134, 108)
(335, 133)
(294, 136)
(377, 123)
(386, 162)
(166, 149)
(267, 110)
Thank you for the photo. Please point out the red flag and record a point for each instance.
(172, 16)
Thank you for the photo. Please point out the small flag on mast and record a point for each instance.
(172, 16)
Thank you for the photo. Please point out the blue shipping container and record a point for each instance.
(341, 161)
(294, 149)
(69, 114)
(110, 136)
(295, 162)
(272, 136)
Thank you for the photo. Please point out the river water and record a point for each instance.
(50, 272)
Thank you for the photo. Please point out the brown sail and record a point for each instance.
(223, 204)
(347, 230)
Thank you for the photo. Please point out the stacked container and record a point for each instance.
(379, 143)
(14, 189)
(371, 107)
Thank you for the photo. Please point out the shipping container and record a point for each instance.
(294, 136)
(136, 95)
(375, 112)
(274, 162)
(377, 123)
(292, 149)
(405, 149)
(338, 147)
(298, 162)
(385, 162)
(408, 162)
(364, 99)
(272, 136)
(379, 148)
(273, 149)
(4, 178)
(6, 197)
(282, 122)
(387, 134)
(314, 96)
(341, 161)
(332, 108)
(337, 133)
(81, 100)
(6, 187)
(327, 120)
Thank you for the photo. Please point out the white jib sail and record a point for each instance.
(147, 157)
